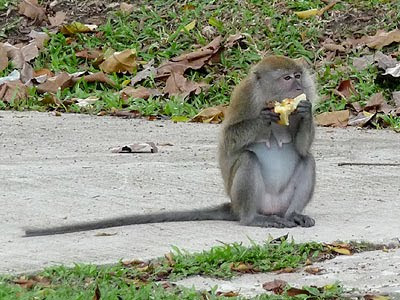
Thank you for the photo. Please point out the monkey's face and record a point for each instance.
(288, 85)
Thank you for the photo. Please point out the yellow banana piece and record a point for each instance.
(286, 107)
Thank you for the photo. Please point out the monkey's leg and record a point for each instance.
(247, 190)
(301, 189)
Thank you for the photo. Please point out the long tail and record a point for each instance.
(222, 212)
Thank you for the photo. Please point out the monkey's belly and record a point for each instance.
(277, 164)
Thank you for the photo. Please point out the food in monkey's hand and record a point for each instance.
(286, 107)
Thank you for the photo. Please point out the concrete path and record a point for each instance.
(59, 170)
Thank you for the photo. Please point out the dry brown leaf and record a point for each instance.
(51, 99)
(313, 270)
(32, 10)
(126, 7)
(97, 294)
(13, 91)
(286, 270)
(214, 114)
(277, 286)
(343, 251)
(60, 81)
(361, 63)
(335, 118)
(193, 60)
(233, 39)
(375, 102)
(170, 259)
(361, 119)
(242, 267)
(148, 71)
(89, 54)
(27, 73)
(140, 92)
(41, 72)
(3, 58)
(28, 283)
(396, 98)
(177, 84)
(58, 19)
(25, 283)
(292, 292)
(383, 38)
(125, 113)
(96, 77)
(228, 294)
(124, 61)
(330, 5)
(334, 47)
(39, 38)
(384, 61)
(345, 89)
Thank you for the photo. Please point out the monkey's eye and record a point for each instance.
(297, 76)
(287, 77)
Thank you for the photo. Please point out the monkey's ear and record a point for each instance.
(257, 74)
(302, 62)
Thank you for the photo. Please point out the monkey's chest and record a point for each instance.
(277, 163)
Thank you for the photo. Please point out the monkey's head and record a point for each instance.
(279, 77)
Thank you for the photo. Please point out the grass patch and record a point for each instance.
(151, 280)
(156, 30)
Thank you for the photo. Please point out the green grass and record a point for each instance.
(150, 280)
(155, 31)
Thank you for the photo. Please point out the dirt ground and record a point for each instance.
(58, 170)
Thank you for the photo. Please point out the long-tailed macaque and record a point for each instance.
(267, 168)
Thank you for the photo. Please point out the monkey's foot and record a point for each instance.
(302, 220)
(270, 221)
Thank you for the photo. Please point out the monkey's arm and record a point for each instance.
(239, 135)
(304, 135)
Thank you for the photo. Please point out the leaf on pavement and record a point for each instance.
(336, 118)
(124, 61)
(148, 147)
(32, 10)
(313, 270)
(277, 286)
(211, 114)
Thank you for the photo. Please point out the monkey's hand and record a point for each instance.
(269, 116)
(304, 109)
